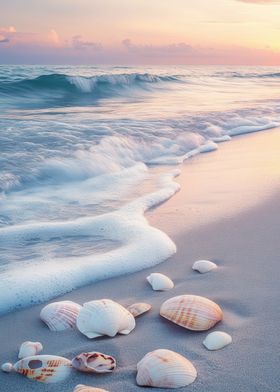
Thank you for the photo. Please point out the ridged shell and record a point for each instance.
(165, 369)
(217, 340)
(204, 266)
(7, 367)
(86, 388)
(104, 317)
(192, 312)
(160, 282)
(44, 368)
(138, 308)
(94, 362)
(28, 349)
(60, 315)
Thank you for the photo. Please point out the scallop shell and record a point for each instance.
(7, 367)
(60, 315)
(27, 349)
(104, 317)
(44, 368)
(217, 340)
(86, 388)
(203, 266)
(165, 369)
(138, 308)
(94, 362)
(192, 312)
(160, 282)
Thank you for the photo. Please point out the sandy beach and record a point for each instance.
(229, 216)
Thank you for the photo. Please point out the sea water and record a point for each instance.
(85, 151)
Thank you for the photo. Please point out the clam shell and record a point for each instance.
(138, 308)
(165, 369)
(7, 367)
(203, 266)
(217, 340)
(160, 282)
(192, 312)
(60, 315)
(44, 368)
(28, 349)
(86, 388)
(94, 362)
(104, 317)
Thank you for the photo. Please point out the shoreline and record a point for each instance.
(240, 243)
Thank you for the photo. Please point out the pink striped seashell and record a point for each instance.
(60, 315)
(94, 362)
(192, 312)
(138, 308)
(86, 388)
(28, 349)
(165, 369)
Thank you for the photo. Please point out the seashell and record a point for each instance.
(165, 369)
(203, 266)
(192, 312)
(44, 368)
(86, 388)
(160, 282)
(138, 308)
(104, 317)
(217, 340)
(94, 362)
(60, 315)
(28, 349)
(7, 367)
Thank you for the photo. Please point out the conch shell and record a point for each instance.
(7, 367)
(165, 369)
(217, 340)
(138, 308)
(160, 282)
(44, 368)
(203, 266)
(60, 315)
(94, 362)
(86, 388)
(104, 317)
(192, 312)
(28, 349)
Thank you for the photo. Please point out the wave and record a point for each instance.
(248, 75)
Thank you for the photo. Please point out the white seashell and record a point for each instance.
(94, 362)
(60, 315)
(27, 349)
(217, 340)
(44, 368)
(165, 369)
(160, 282)
(86, 388)
(104, 317)
(203, 266)
(192, 312)
(138, 308)
(7, 367)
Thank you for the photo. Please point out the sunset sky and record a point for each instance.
(140, 32)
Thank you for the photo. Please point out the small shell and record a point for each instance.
(192, 312)
(7, 367)
(160, 282)
(217, 340)
(138, 308)
(60, 315)
(44, 368)
(104, 317)
(28, 349)
(86, 388)
(165, 369)
(94, 362)
(203, 266)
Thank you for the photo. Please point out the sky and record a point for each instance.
(138, 32)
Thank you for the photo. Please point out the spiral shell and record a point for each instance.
(60, 315)
(7, 367)
(44, 368)
(217, 340)
(94, 362)
(86, 388)
(138, 308)
(203, 266)
(28, 349)
(160, 282)
(192, 312)
(104, 317)
(165, 369)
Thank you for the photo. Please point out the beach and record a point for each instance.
(227, 211)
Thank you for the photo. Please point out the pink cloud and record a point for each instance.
(260, 1)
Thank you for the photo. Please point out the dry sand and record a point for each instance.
(240, 234)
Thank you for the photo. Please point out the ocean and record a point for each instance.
(85, 151)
